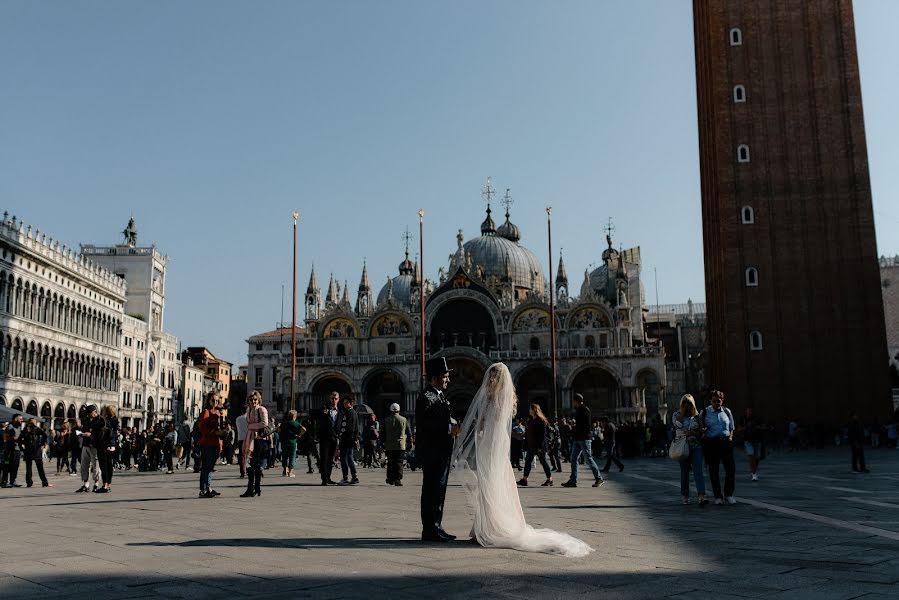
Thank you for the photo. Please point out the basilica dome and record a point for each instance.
(497, 253)
(400, 287)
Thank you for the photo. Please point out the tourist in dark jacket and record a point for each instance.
(107, 446)
(537, 441)
(33, 441)
(348, 433)
(857, 444)
(582, 439)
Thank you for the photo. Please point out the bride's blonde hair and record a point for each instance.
(497, 374)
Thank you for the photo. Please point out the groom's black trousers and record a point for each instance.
(435, 466)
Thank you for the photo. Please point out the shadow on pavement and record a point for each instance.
(303, 543)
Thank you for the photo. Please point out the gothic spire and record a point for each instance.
(331, 296)
(561, 274)
(313, 284)
(364, 285)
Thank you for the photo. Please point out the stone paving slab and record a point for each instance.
(808, 529)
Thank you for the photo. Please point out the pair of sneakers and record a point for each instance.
(210, 493)
(728, 499)
(571, 483)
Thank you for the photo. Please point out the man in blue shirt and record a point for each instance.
(717, 446)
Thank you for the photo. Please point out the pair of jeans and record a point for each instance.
(694, 462)
(435, 466)
(347, 462)
(529, 459)
(395, 459)
(718, 451)
(288, 456)
(208, 457)
(90, 469)
(577, 448)
(610, 458)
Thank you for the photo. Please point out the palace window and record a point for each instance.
(736, 37)
(743, 153)
(535, 344)
(391, 348)
(739, 94)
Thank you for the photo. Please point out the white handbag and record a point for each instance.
(680, 449)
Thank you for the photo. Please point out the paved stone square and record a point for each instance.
(808, 529)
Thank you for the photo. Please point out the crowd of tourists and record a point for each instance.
(702, 439)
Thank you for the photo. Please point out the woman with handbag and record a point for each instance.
(256, 444)
(687, 448)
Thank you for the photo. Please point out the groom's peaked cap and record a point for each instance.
(435, 367)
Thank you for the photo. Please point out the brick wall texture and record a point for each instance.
(818, 303)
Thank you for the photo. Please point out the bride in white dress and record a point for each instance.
(481, 460)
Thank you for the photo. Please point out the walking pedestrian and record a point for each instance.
(209, 442)
(555, 446)
(348, 433)
(327, 430)
(91, 428)
(753, 441)
(537, 442)
(608, 440)
(581, 444)
(307, 444)
(62, 449)
(397, 438)
(106, 442)
(74, 447)
(256, 444)
(717, 423)
(169, 442)
(34, 440)
(13, 452)
(857, 444)
(291, 431)
(686, 424)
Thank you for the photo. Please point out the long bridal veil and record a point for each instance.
(481, 460)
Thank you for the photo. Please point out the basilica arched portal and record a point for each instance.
(322, 388)
(599, 389)
(381, 389)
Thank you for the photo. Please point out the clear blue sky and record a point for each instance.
(212, 120)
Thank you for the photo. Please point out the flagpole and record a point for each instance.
(293, 329)
(421, 288)
(552, 313)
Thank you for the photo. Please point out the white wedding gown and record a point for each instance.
(481, 460)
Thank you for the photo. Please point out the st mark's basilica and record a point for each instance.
(491, 304)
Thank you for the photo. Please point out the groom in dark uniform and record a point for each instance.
(434, 435)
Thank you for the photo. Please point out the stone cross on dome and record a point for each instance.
(407, 237)
(609, 229)
(507, 201)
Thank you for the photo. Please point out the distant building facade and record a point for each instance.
(491, 303)
(60, 326)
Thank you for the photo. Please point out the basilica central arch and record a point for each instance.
(381, 389)
(533, 386)
(465, 380)
(599, 389)
(322, 387)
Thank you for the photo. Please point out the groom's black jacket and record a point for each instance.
(432, 421)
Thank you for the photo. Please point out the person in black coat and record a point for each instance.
(348, 435)
(326, 422)
(581, 443)
(33, 441)
(857, 444)
(537, 443)
(434, 434)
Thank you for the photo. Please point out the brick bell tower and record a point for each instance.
(795, 317)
